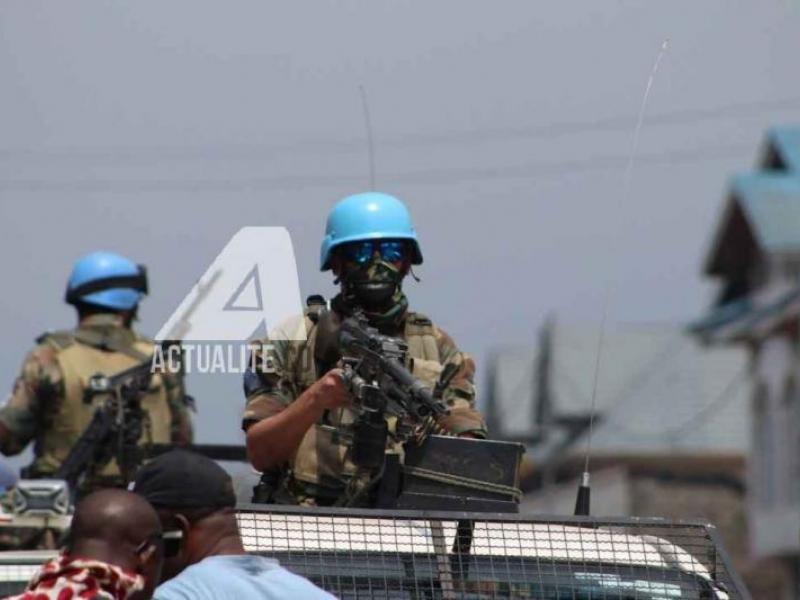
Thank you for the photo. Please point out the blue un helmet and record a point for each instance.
(107, 280)
(368, 216)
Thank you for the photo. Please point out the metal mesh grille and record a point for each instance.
(368, 554)
(16, 569)
(16, 573)
(374, 554)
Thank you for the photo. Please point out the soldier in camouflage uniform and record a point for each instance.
(296, 398)
(48, 404)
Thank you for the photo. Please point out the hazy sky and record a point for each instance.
(158, 129)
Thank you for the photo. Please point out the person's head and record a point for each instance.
(105, 282)
(119, 528)
(370, 245)
(194, 499)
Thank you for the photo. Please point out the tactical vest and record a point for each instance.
(322, 459)
(80, 355)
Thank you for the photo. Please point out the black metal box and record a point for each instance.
(465, 474)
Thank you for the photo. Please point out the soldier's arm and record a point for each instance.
(39, 382)
(275, 419)
(459, 395)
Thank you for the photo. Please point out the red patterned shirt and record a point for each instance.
(74, 578)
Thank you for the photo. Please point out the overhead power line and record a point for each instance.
(439, 176)
(156, 153)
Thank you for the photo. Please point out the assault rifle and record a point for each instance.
(382, 386)
(115, 428)
(437, 470)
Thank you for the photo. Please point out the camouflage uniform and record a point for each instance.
(47, 403)
(321, 467)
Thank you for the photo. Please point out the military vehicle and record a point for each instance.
(434, 544)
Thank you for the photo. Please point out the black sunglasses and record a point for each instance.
(173, 540)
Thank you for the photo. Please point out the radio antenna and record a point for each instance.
(368, 127)
(583, 501)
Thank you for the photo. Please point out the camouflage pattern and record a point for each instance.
(321, 467)
(47, 404)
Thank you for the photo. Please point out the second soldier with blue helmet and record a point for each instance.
(296, 397)
(49, 404)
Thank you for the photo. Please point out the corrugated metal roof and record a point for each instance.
(786, 143)
(771, 203)
(659, 389)
(752, 317)
(720, 316)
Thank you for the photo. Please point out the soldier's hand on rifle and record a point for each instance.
(272, 440)
(330, 391)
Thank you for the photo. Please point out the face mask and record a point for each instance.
(372, 286)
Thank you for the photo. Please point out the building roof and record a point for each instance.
(659, 390)
(762, 214)
(783, 143)
(772, 206)
(754, 316)
(762, 217)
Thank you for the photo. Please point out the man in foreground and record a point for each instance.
(114, 552)
(205, 557)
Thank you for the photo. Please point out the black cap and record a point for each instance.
(183, 479)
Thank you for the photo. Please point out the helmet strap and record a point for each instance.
(136, 282)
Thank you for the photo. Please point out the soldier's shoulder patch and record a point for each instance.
(56, 339)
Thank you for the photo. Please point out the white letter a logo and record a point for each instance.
(250, 286)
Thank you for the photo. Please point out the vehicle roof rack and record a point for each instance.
(410, 554)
